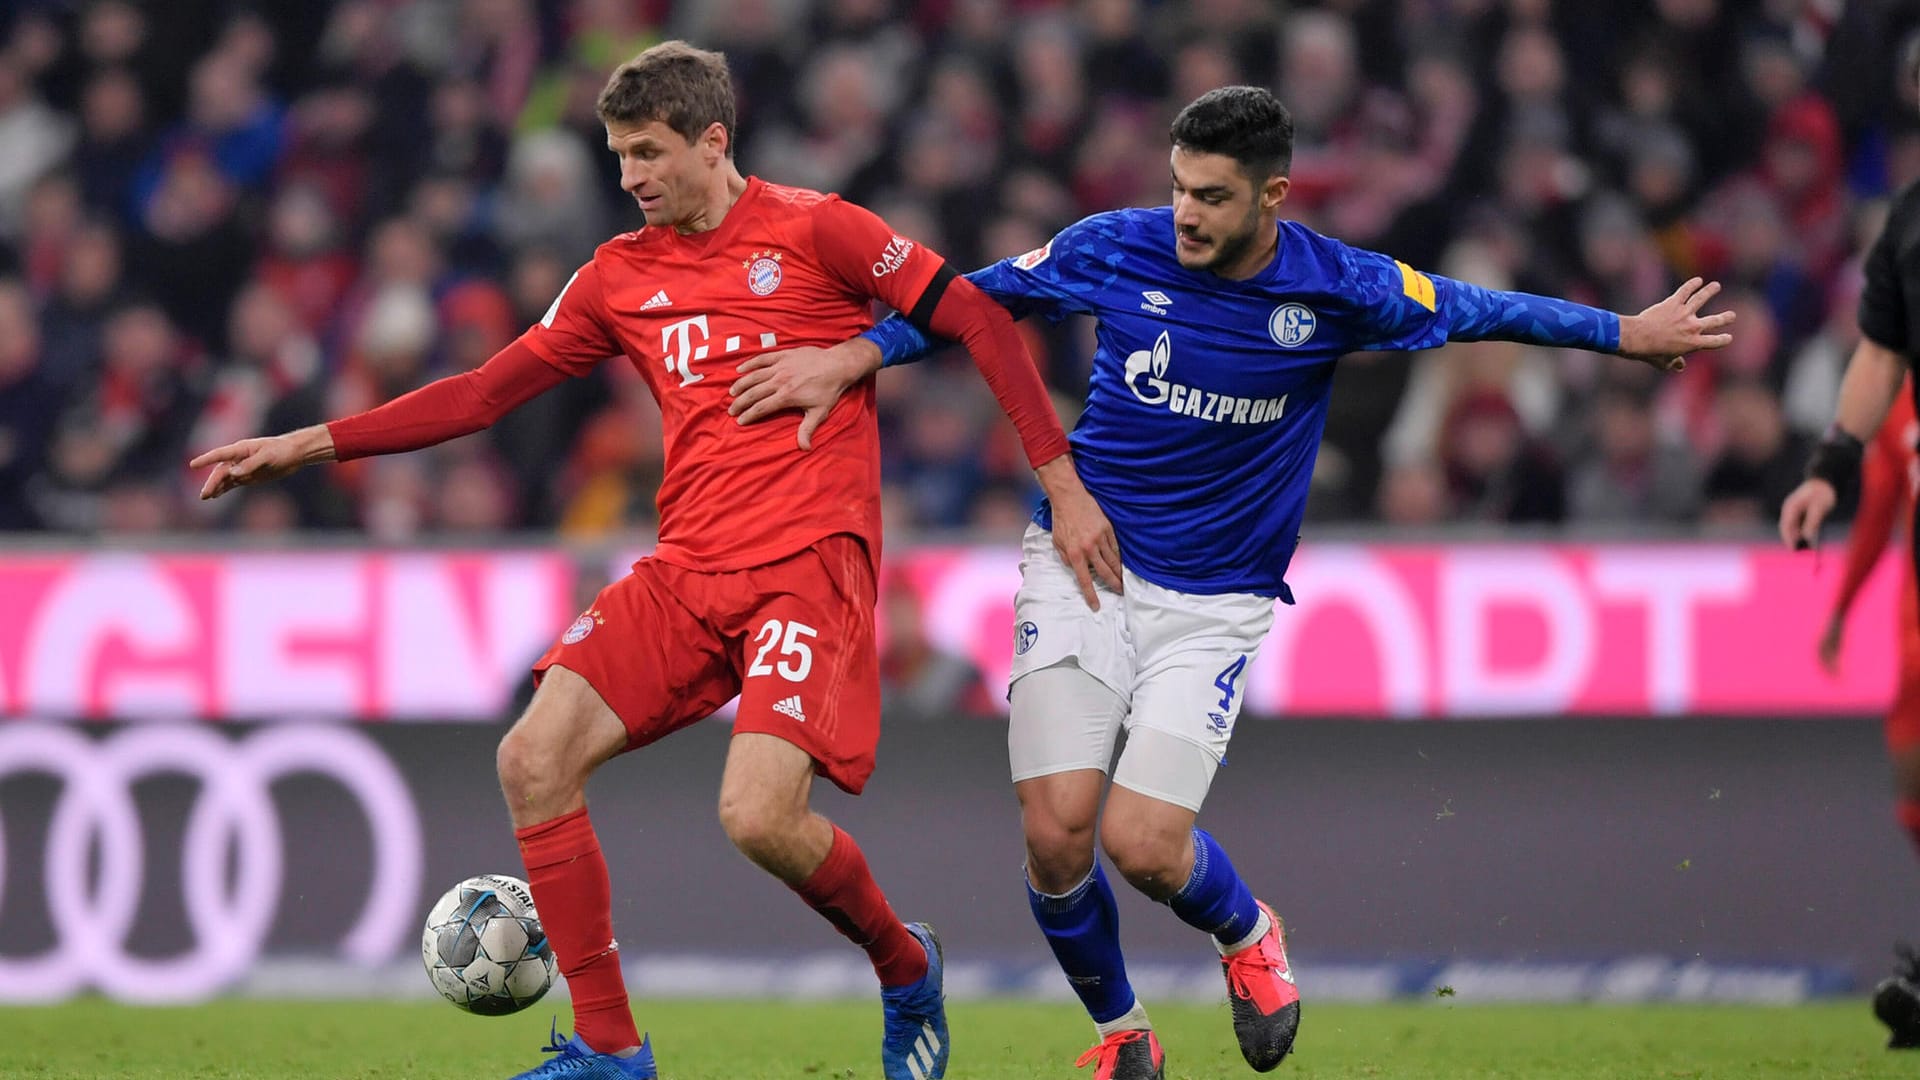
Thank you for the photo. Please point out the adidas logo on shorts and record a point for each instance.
(790, 707)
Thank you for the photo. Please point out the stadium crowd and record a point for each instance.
(220, 219)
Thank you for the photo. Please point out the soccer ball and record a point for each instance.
(484, 948)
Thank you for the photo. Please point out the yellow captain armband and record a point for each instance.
(1416, 285)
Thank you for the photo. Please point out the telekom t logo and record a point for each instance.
(677, 341)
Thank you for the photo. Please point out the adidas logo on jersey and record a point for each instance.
(790, 707)
(658, 300)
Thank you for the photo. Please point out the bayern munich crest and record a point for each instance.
(763, 272)
(581, 627)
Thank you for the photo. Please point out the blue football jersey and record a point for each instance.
(1208, 396)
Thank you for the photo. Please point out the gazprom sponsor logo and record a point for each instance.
(1146, 376)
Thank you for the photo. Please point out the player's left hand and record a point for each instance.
(806, 378)
(1665, 333)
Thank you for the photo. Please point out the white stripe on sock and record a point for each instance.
(1260, 928)
(1132, 1019)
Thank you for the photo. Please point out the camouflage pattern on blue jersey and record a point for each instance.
(1208, 396)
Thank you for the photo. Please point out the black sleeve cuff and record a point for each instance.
(1837, 461)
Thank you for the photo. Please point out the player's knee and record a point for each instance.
(536, 777)
(1156, 862)
(758, 826)
(522, 779)
(1059, 853)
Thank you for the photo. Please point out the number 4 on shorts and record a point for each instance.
(1226, 679)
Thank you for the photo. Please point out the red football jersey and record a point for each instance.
(786, 267)
(1889, 479)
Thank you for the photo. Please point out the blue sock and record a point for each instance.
(1083, 929)
(1214, 899)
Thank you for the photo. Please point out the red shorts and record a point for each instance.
(1903, 720)
(666, 646)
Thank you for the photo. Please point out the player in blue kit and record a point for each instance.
(1219, 326)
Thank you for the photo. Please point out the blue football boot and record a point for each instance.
(914, 1046)
(575, 1060)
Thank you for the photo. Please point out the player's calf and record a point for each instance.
(543, 762)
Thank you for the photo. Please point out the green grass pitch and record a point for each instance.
(1003, 1041)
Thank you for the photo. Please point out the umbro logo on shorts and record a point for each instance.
(790, 707)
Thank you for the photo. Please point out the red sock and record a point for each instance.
(844, 892)
(1909, 812)
(575, 902)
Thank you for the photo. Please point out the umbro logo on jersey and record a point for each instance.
(658, 300)
(790, 707)
(1156, 301)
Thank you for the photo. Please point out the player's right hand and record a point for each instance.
(253, 461)
(1665, 333)
(1830, 641)
(1804, 512)
(806, 378)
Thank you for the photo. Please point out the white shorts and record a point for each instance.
(1175, 663)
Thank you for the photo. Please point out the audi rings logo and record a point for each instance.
(95, 853)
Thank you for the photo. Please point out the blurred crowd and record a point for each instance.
(222, 218)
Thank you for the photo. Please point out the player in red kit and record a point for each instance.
(1889, 476)
(1889, 482)
(763, 581)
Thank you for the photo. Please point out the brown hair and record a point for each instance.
(685, 88)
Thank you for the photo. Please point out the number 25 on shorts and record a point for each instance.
(795, 658)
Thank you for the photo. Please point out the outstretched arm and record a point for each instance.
(1402, 308)
(569, 340)
(1662, 335)
(444, 409)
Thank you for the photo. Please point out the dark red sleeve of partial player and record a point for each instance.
(447, 408)
(860, 249)
(988, 332)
